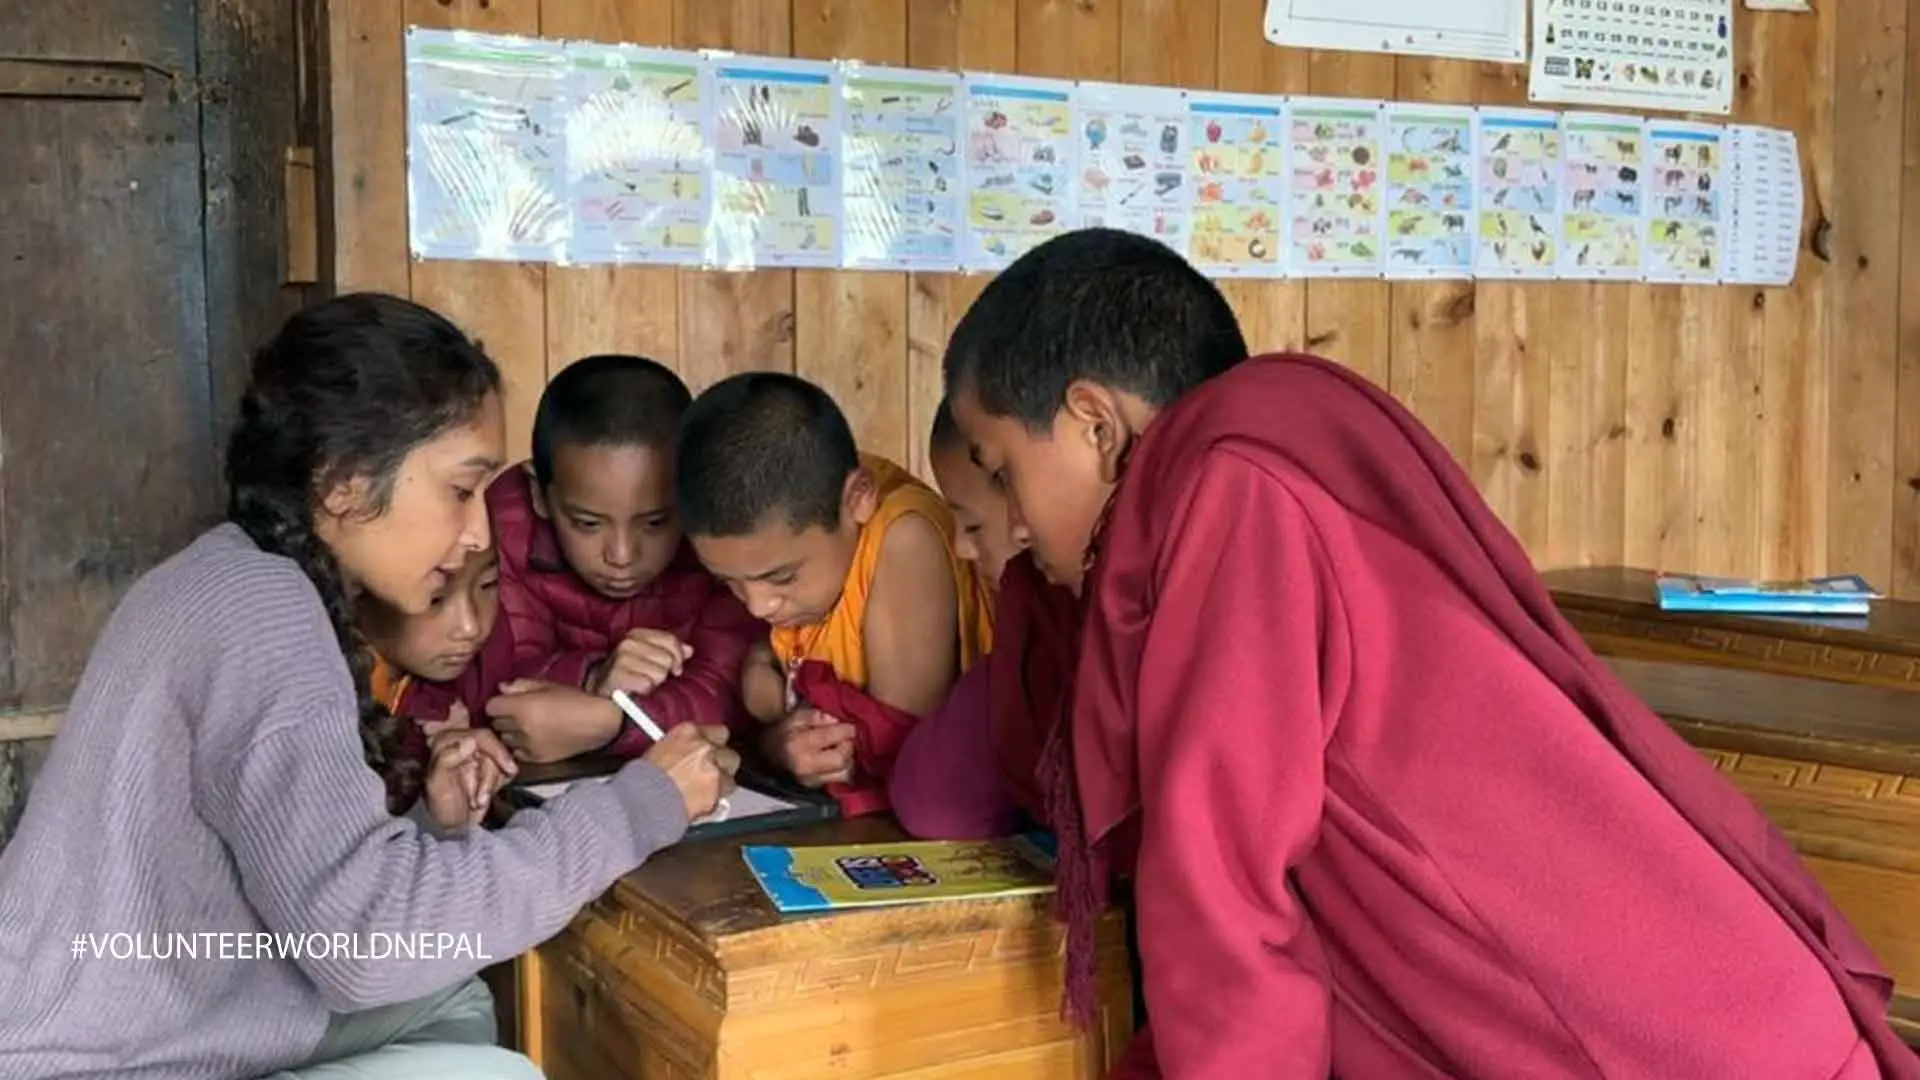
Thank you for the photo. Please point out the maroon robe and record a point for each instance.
(1393, 818)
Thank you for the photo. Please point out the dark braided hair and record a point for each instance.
(346, 389)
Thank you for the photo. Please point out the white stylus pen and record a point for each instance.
(638, 715)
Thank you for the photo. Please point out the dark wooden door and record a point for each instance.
(139, 243)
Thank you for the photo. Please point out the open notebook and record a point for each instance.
(758, 803)
(742, 803)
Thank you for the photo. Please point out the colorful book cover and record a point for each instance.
(1841, 594)
(831, 877)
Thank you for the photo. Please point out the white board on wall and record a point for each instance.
(1493, 30)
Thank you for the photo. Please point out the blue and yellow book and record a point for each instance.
(831, 877)
(1841, 594)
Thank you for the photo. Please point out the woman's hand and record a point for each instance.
(696, 758)
(467, 767)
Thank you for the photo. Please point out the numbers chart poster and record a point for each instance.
(1669, 55)
(776, 173)
(1335, 161)
(903, 182)
(637, 155)
(1133, 150)
(486, 119)
(1519, 193)
(1601, 196)
(1686, 203)
(1430, 190)
(1019, 166)
(1240, 184)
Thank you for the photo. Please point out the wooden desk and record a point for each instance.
(1816, 720)
(684, 971)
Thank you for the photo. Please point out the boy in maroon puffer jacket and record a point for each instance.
(599, 589)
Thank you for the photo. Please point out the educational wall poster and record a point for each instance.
(1686, 203)
(776, 200)
(903, 185)
(485, 147)
(1019, 166)
(1133, 153)
(1766, 200)
(1518, 193)
(581, 152)
(1334, 154)
(1430, 191)
(1666, 55)
(1240, 184)
(1462, 29)
(637, 154)
(1601, 196)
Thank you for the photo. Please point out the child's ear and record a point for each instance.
(860, 497)
(1096, 413)
(540, 508)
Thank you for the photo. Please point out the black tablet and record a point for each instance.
(757, 804)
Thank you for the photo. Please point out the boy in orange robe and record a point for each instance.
(850, 561)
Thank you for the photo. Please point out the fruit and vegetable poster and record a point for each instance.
(1429, 191)
(1133, 152)
(776, 165)
(903, 187)
(532, 150)
(1019, 166)
(1335, 163)
(1602, 196)
(1517, 201)
(1239, 184)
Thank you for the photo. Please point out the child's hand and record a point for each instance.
(816, 748)
(466, 769)
(695, 757)
(642, 661)
(543, 721)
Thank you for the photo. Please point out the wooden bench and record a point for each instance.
(1816, 720)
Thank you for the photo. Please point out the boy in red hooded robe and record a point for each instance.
(1385, 815)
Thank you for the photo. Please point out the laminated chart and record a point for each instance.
(903, 185)
(1239, 184)
(1768, 199)
(485, 147)
(1019, 166)
(637, 154)
(1430, 191)
(1334, 157)
(1134, 161)
(1519, 193)
(776, 200)
(1686, 202)
(1601, 196)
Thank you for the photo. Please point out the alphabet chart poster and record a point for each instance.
(1429, 191)
(1601, 196)
(903, 182)
(1019, 166)
(637, 155)
(1669, 55)
(1518, 201)
(1134, 160)
(1240, 182)
(1686, 202)
(776, 168)
(1335, 158)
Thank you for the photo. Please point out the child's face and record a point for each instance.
(787, 576)
(612, 511)
(986, 535)
(438, 644)
(1055, 483)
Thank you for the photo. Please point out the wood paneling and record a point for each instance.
(1727, 429)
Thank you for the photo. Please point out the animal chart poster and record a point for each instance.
(1687, 203)
(1601, 196)
(1019, 166)
(1668, 55)
(1518, 197)
(1335, 159)
(1430, 191)
(1133, 150)
(903, 182)
(1240, 183)
(637, 154)
(776, 168)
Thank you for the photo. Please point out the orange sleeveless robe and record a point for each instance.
(840, 639)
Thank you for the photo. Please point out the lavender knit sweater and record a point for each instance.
(209, 778)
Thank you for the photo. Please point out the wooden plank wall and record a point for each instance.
(1726, 429)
